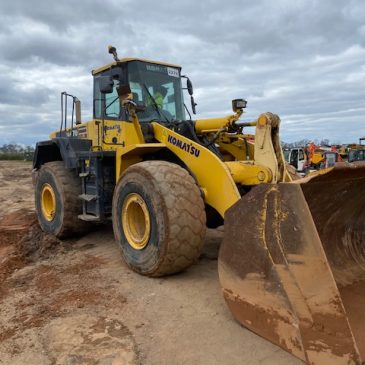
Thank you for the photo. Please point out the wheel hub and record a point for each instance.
(136, 221)
(48, 202)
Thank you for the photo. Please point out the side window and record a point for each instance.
(301, 155)
(111, 101)
(112, 105)
(97, 99)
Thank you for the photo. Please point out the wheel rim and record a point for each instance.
(136, 221)
(48, 202)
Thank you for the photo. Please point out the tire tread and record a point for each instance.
(186, 219)
(69, 184)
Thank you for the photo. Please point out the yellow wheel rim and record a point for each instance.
(136, 221)
(48, 202)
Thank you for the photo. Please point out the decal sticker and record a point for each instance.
(173, 72)
(156, 68)
(187, 147)
(112, 127)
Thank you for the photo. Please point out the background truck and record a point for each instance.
(297, 158)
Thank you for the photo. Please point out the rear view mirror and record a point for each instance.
(106, 84)
(189, 86)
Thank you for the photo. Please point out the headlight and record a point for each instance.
(238, 104)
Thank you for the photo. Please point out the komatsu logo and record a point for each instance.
(187, 147)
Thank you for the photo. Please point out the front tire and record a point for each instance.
(158, 218)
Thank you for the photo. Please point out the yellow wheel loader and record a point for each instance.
(292, 262)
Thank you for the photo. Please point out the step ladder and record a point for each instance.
(92, 189)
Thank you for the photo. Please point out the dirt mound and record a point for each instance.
(13, 226)
(36, 244)
(22, 241)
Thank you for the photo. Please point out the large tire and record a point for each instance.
(57, 202)
(163, 228)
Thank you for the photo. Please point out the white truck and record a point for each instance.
(296, 157)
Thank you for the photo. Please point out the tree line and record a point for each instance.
(14, 151)
(306, 142)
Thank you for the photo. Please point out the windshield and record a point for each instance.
(159, 88)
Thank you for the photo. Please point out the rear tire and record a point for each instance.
(57, 202)
(158, 218)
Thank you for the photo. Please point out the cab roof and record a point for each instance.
(128, 59)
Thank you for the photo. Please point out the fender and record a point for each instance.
(60, 149)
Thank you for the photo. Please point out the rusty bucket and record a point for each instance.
(292, 265)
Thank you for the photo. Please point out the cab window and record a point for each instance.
(109, 103)
(112, 105)
(97, 99)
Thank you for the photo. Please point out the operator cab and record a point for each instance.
(156, 87)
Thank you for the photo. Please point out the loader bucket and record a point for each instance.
(292, 265)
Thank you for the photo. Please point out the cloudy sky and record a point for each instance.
(301, 59)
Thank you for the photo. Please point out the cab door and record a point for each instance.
(301, 160)
(294, 158)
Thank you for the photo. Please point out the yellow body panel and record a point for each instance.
(131, 154)
(107, 135)
(212, 175)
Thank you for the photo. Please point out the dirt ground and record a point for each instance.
(76, 303)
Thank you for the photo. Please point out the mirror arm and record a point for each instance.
(193, 104)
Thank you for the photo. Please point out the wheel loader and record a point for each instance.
(292, 261)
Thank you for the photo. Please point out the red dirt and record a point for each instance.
(52, 286)
(22, 241)
(84, 305)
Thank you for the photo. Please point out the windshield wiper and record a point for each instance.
(158, 110)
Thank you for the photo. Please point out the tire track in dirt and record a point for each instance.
(50, 289)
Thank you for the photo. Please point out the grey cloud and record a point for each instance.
(60, 15)
(302, 59)
(11, 93)
(71, 47)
